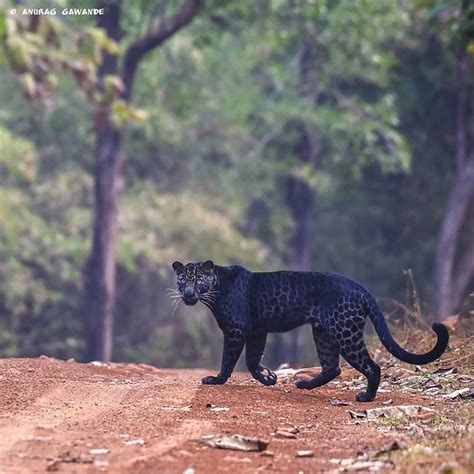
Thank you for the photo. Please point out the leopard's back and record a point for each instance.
(280, 301)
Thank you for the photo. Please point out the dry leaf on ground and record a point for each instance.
(235, 441)
(395, 411)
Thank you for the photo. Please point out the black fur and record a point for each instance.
(247, 306)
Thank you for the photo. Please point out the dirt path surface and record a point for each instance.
(71, 417)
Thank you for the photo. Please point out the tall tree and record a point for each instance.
(100, 271)
(454, 266)
(345, 118)
(454, 269)
(300, 193)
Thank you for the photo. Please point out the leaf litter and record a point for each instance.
(236, 442)
(400, 411)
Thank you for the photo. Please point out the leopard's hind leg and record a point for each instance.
(255, 346)
(352, 347)
(328, 357)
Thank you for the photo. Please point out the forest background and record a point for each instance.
(284, 134)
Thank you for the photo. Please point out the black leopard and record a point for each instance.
(247, 306)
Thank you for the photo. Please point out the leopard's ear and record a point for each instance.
(178, 267)
(207, 266)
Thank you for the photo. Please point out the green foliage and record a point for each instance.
(38, 47)
(222, 114)
(18, 159)
(453, 19)
(41, 252)
(160, 227)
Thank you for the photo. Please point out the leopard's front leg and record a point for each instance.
(254, 352)
(233, 344)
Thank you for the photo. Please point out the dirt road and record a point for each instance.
(71, 417)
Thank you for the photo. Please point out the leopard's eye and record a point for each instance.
(200, 279)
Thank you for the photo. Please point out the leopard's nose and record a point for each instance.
(188, 292)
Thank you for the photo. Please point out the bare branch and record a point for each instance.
(165, 30)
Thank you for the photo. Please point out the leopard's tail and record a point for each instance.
(380, 325)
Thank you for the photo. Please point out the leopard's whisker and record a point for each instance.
(208, 297)
(172, 291)
(175, 307)
(207, 304)
(207, 300)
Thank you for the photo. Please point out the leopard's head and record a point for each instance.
(195, 281)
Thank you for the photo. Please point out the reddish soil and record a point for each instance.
(53, 413)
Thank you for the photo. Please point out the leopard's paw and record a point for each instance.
(306, 384)
(213, 380)
(365, 397)
(265, 376)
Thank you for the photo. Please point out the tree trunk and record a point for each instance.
(453, 272)
(101, 266)
(301, 202)
(301, 195)
(450, 281)
(301, 198)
